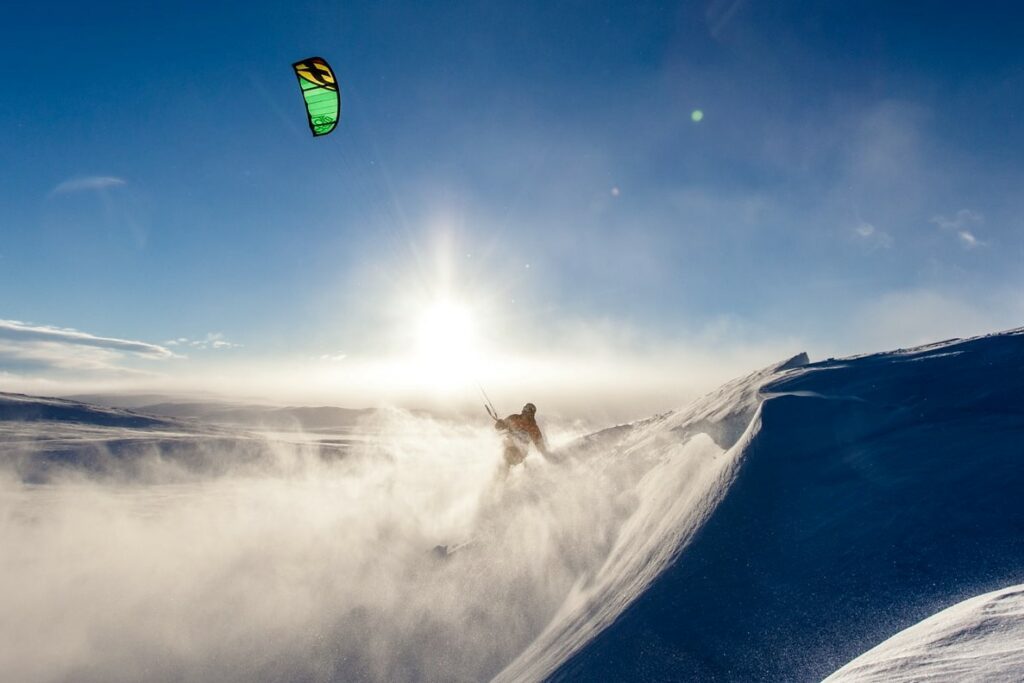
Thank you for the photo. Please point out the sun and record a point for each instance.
(444, 330)
(446, 343)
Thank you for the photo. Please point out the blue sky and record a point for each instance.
(854, 184)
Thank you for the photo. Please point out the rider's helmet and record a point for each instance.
(529, 409)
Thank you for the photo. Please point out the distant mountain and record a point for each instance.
(23, 408)
(136, 400)
(216, 410)
(42, 437)
(265, 417)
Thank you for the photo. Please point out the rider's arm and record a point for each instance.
(538, 440)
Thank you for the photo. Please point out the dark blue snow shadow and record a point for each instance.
(879, 490)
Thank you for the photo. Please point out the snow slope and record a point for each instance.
(560, 549)
(772, 530)
(865, 494)
(691, 460)
(981, 639)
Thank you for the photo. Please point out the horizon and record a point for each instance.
(606, 209)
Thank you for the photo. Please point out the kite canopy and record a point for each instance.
(320, 90)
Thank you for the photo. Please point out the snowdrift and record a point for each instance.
(868, 493)
(981, 639)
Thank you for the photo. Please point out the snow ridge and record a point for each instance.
(696, 453)
(981, 639)
(863, 495)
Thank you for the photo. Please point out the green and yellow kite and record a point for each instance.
(320, 90)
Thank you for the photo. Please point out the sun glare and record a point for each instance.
(446, 343)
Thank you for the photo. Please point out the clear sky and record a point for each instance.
(523, 187)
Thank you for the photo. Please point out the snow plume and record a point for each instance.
(295, 566)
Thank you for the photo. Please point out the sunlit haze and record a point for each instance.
(446, 343)
(604, 209)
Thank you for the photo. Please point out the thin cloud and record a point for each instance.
(212, 340)
(720, 14)
(93, 183)
(963, 225)
(872, 236)
(21, 332)
(969, 240)
(903, 318)
(48, 357)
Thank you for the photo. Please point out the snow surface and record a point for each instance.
(981, 639)
(866, 494)
(694, 455)
(772, 530)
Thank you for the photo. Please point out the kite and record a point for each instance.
(320, 90)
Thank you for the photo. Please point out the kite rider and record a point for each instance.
(520, 431)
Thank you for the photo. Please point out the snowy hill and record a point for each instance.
(22, 408)
(865, 494)
(981, 639)
(773, 530)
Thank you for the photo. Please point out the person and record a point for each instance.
(520, 431)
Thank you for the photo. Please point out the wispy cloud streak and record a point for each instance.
(963, 224)
(872, 236)
(27, 332)
(96, 182)
(213, 340)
